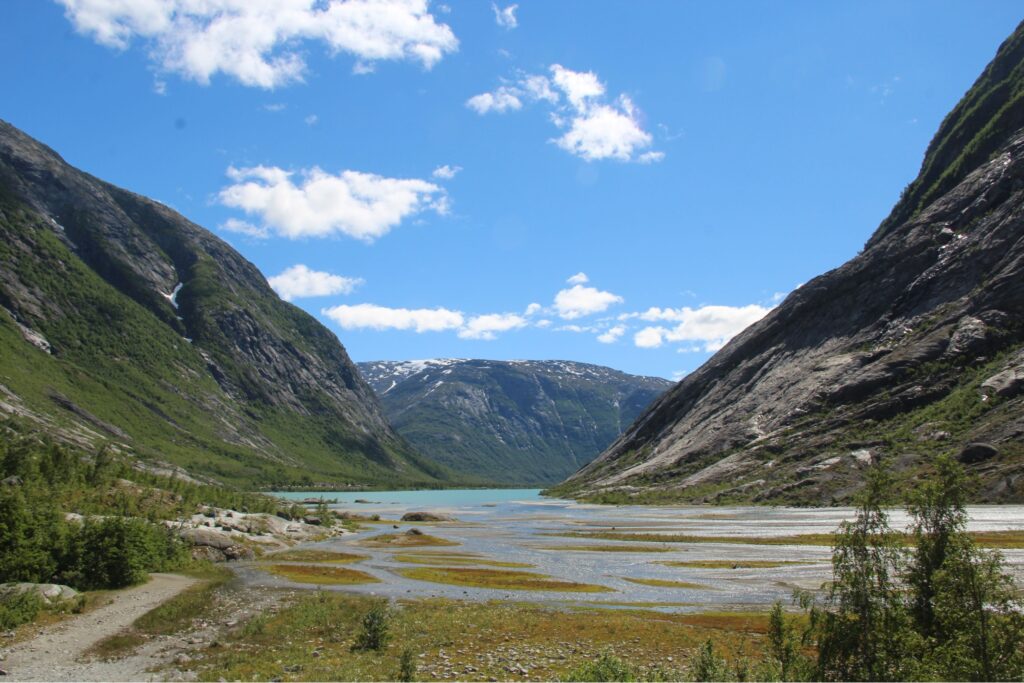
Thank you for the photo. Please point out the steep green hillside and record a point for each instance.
(513, 422)
(122, 322)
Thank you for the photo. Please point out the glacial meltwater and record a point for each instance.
(720, 558)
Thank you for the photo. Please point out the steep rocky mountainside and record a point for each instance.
(913, 348)
(513, 422)
(121, 322)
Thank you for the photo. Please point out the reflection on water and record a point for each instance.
(517, 526)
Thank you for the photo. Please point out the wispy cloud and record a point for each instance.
(505, 16)
(261, 43)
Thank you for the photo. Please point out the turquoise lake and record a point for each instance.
(441, 498)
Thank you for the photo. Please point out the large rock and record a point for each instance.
(50, 593)
(973, 453)
(426, 517)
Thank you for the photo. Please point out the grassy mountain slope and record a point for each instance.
(222, 378)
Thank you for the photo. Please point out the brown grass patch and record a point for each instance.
(497, 579)
(607, 548)
(666, 583)
(457, 559)
(735, 564)
(405, 541)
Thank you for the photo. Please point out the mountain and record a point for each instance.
(513, 422)
(913, 348)
(123, 323)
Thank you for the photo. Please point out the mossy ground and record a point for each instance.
(456, 559)
(608, 548)
(320, 575)
(468, 641)
(405, 541)
(311, 555)
(497, 579)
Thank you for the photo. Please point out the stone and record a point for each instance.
(12, 481)
(414, 532)
(974, 453)
(426, 517)
(1006, 384)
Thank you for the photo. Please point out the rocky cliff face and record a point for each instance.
(122, 321)
(513, 422)
(912, 348)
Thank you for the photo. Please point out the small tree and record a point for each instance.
(864, 631)
(963, 603)
(707, 665)
(406, 666)
(375, 628)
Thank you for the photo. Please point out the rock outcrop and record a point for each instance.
(911, 349)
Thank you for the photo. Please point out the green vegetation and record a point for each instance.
(498, 579)
(375, 632)
(473, 640)
(608, 548)
(327, 576)
(17, 608)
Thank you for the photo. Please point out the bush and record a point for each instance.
(375, 628)
(607, 667)
(406, 666)
(118, 552)
(708, 665)
(17, 608)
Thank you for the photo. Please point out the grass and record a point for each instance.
(326, 576)
(732, 564)
(404, 541)
(497, 579)
(305, 555)
(608, 548)
(665, 583)
(458, 559)
(173, 616)
(474, 641)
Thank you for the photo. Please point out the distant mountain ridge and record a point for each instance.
(512, 422)
(123, 323)
(913, 348)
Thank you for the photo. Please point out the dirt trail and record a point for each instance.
(55, 655)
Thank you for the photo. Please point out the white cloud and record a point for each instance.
(299, 281)
(363, 68)
(311, 120)
(578, 301)
(446, 172)
(711, 326)
(370, 316)
(649, 337)
(543, 323)
(485, 326)
(501, 100)
(606, 132)
(612, 335)
(505, 17)
(594, 128)
(262, 42)
(245, 228)
(533, 309)
(275, 107)
(360, 205)
(578, 279)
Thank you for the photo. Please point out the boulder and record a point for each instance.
(1007, 383)
(974, 453)
(49, 592)
(207, 537)
(414, 532)
(426, 517)
(12, 481)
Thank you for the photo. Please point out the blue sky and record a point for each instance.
(623, 183)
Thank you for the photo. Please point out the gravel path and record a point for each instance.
(55, 654)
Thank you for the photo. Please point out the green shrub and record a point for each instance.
(19, 608)
(118, 552)
(376, 626)
(708, 665)
(607, 667)
(406, 666)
